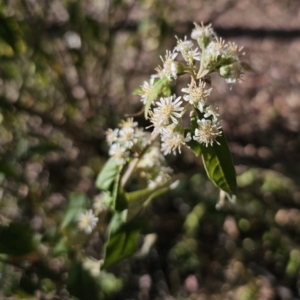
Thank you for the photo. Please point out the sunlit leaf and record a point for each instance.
(219, 165)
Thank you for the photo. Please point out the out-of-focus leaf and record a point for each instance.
(7, 169)
(157, 89)
(9, 32)
(76, 205)
(16, 239)
(107, 175)
(81, 284)
(10, 69)
(122, 240)
(139, 199)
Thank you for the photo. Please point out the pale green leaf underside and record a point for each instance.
(155, 92)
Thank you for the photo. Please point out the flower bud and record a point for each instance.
(231, 72)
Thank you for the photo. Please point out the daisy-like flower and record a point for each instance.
(153, 158)
(234, 51)
(128, 123)
(216, 49)
(212, 110)
(172, 141)
(146, 90)
(170, 67)
(143, 137)
(207, 132)
(127, 137)
(119, 153)
(196, 95)
(202, 31)
(186, 48)
(87, 221)
(168, 110)
(112, 135)
(183, 45)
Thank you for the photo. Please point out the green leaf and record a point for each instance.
(157, 89)
(76, 205)
(81, 284)
(107, 175)
(122, 240)
(219, 165)
(217, 160)
(16, 239)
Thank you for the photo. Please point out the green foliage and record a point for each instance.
(16, 239)
(81, 284)
(217, 161)
(122, 240)
(76, 205)
(106, 177)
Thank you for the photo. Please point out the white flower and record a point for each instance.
(202, 31)
(196, 94)
(168, 111)
(170, 68)
(119, 153)
(128, 123)
(172, 141)
(146, 90)
(186, 48)
(153, 158)
(112, 136)
(127, 137)
(161, 178)
(183, 45)
(207, 132)
(212, 110)
(232, 72)
(215, 50)
(87, 221)
(233, 51)
(143, 137)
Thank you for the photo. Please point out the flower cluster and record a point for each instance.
(125, 140)
(129, 141)
(166, 112)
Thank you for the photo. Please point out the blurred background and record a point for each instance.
(68, 70)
